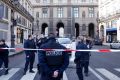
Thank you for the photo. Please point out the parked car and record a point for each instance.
(115, 45)
(65, 42)
(98, 42)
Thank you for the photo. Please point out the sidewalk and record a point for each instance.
(18, 51)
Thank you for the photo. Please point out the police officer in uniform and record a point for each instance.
(81, 58)
(53, 63)
(4, 55)
(30, 54)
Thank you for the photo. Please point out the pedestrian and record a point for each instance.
(4, 55)
(30, 54)
(81, 58)
(53, 63)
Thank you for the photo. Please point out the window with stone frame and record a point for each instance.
(45, 12)
(60, 12)
(45, 1)
(83, 0)
(76, 12)
(91, 1)
(1, 10)
(91, 12)
(37, 14)
(60, 1)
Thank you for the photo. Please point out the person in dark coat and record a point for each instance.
(4, 55)
(81, 58)
(30, 54)
(53, 63)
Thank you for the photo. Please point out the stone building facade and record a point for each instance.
(66, 17)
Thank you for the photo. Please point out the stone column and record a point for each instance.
(50, 28)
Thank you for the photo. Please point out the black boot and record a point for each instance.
(24, 72)
(6, 71)
(31, 71)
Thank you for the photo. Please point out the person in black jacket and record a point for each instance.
(30, 54)
(4, 55)
(53, 63)
(81, 58)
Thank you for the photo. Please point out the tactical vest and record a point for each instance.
(54, 58)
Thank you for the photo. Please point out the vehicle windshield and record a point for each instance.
(64, 40)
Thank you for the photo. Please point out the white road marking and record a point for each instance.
(11, 73)
(29, 76)
(65, 76)
(108, 74)
(95, 73)
(117, 69)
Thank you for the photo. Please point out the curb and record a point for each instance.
(15, 53)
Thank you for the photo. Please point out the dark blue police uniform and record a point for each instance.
(30, 54)
(51, 61)
(4, 57)
(81, 60)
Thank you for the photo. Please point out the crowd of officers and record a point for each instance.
(51, 63)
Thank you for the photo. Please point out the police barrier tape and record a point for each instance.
(67, 50)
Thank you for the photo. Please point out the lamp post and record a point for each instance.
(14, 23)
(97, 27)
(72, 22)
(37, 22)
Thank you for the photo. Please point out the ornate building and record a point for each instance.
(109, 20)
(66, 17)
(15, 20)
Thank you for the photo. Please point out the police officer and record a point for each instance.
(4, 55)
(30, 54)
(53, 63)
(81, 58)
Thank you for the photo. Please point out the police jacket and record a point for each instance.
(4, 52)
(29, 44)
(81, 56)
(41, 41)
(53, 60)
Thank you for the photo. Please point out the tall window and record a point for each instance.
(1, 9)
(91, 12)
(91, 1)
(37, 14)
(45, 1)
(45, 12)
(76, 12)
(60, 1)
(83, 0)
(76, 1)
(6, 12)
(60, 12)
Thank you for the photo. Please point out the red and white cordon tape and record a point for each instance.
(67, 50)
